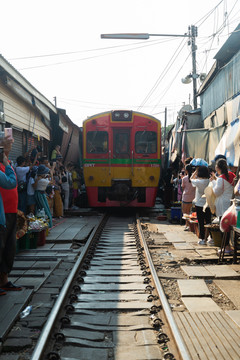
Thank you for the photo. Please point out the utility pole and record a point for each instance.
(193, 33)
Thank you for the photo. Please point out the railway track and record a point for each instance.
(112, 305)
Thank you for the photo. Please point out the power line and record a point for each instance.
(74, 52)
(92, 57)
(205, 17)
(168, 87)
(163, 73)
(113, 106)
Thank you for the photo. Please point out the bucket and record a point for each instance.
(176, 213)
(217, 237)
(42, 238)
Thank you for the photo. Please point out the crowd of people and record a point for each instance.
(35, 183)
(197, 185)
(46, 184)
(38, 183)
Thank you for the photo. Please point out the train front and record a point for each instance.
(121, 151)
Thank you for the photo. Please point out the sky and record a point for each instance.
(56, 46)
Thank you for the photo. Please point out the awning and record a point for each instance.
(63, 124)
(18, 90)
(230, 143)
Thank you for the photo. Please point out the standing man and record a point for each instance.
(8, 238)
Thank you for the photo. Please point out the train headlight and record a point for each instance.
(90, 178)
(151, 178)
(121, 115)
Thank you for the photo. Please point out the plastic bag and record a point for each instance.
(229, 219)
(210, 198)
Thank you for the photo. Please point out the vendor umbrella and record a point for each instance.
(198, 162)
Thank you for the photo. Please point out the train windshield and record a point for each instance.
(97, 142)
(145, 142)
(121, 143)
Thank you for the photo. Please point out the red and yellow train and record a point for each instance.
(121, 159)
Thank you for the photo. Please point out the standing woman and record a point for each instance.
(7, 181)
(223, 190)
(65, 187)
(21, 171)
(57, 199)
(9, 213)
(200, 180)
(188, 191)
(40, 186)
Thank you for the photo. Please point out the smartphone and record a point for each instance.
(1, 153)
(8, 132)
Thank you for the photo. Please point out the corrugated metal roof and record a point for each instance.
(9, 69)
(230, 47)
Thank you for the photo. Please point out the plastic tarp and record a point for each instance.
(230, 143)
(215, 136)
(233, 108)
(195, 143)
(236, 107)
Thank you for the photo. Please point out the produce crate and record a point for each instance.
(28, 241)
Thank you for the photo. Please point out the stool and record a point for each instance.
(223, 247)
(235, 232)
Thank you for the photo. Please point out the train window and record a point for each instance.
(145, 142)
(121, 144)
(97, 142)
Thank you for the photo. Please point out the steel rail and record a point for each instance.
(165, 305)
(46, 332)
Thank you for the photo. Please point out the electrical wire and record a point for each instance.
(76, 52)
(93, 57)
(205, 17)
(202, 20)
(169, 86)
(163, 73)
(113, 106)
(217, 31)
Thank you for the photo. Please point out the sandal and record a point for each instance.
(226, 252)
(9, 286)
(2, 292)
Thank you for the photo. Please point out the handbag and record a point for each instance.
(210, 198)
(22, 186)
